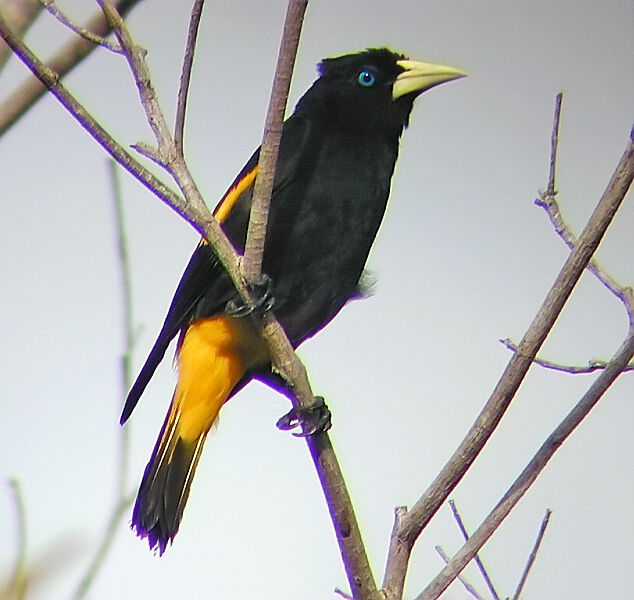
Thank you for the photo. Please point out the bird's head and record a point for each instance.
(372, 89)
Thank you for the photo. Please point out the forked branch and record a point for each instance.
(411, 524)
(54, 10)
(192, 207)
(20, 15)
(61, 63)
(547, 200)
(532, 470)
(531, 558)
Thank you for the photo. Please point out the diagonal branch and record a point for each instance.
(18, 581)
(123, 499)
(254, 248)
(412, 523)
(188, 61)
(194, 210)
(532, 470)
(593, 365)
(476, 558)
(20, 15)
(285, 361)
(533, 554)
(78, 29)
(549, 203)
(624, 293)
(467, 586)
(554, 143)
(66, 59)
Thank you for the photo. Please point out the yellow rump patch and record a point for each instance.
(224, 208)
(214, 355)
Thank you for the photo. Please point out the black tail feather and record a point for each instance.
(165, 487)
(154, 358)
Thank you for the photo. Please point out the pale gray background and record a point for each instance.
(463, 258)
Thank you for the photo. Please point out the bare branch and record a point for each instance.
(554, 141)
(460, 578)
(624, 293)
(533, 554)
(285, 360)
(51, 80)
(532, 470)
(188, 62)
(548, 202)
(102, 550)
(51, 7)
(413, 523)
(194, 210)
(20, 15)
(128, 320)
(18, 581)
(68, 57)
(123, 499)
(593, 365)
(135, 56)
(476, 558)
(263, 189)
(150, 152)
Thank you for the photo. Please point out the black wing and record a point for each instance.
(204, 288)
(203, 269)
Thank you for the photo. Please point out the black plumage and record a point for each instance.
(331, 187)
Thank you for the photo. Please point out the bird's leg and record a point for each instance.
(262, 294)
(312, 420)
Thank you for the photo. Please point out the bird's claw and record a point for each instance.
(263, 300)
(313, 420)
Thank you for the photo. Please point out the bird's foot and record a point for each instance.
(312, 420)
(262, 295)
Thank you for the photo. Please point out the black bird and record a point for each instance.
(332, 184)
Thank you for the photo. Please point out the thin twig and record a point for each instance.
(188, 61)
(254, 247)
(18, 581)
(549, 203)
(461, 578)
(476, 558)
(285, 361)
(593, 365)
(532, 469)
(52, 8)
(194, 210)
(51, 80)
(102, 550)
(135, 55)
(123, 499)
(20, 15)
(62, 62)
(412, 524)
(624, 293)
(554, 141)
(533, 554)
(128, 321)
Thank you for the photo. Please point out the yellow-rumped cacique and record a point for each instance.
(331, 186)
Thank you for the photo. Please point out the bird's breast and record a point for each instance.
(321, 229)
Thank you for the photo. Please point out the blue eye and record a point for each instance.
(366, 78)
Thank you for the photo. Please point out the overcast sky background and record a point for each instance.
(464, 257)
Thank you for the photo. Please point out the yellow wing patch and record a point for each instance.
(224, 208)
